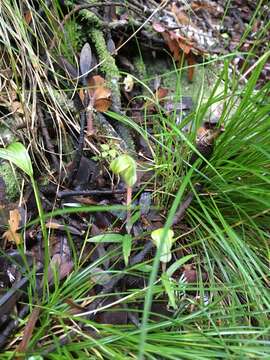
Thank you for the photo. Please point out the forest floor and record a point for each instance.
(134, 179)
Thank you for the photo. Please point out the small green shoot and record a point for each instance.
(126, 246)
(125, 166)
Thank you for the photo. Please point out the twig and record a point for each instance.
(12, 325)
(47, 138)
(178, 216)
(78, 155)
(64, 194)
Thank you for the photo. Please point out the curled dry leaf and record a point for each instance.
(172, 44)
(160, 95)
(158, 27)
(11, 235)
(180, 16)
(100, 95)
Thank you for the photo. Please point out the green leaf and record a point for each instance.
(159, 238)
(126, 247)
(18, 155)
(171, 269)
(144, 268)
(135, 217)
(167, 283)
(107, 238)
(125, 166)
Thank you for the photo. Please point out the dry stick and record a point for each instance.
(47, 138)
(63, 194)
(78, 155)
(12, 325)
(79, 151)
(178, 216)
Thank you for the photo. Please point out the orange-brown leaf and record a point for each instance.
(28, 17)
(11, 234)
(161, 93)
(180, 15)
(191, 66)
(95, 82)
(184, 45)
(100, 94)
(102, 105)
(172, 44)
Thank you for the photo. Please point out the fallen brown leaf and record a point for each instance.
(11, 235)
(180, 15)
(28, 330)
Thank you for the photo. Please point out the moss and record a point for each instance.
(11, 181)
(92, 18)
(108, 66)
(111, 72)
(140, 67)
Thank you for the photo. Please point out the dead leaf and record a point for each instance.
(17, 107)
(172, 44)
(53, 225)
(191, 62)
(158, 27)
(11, 234)
(183, 43)
(180, 15)
(28, 330)
(100, 95)
(210, 6)
(161, 93)
(28, 17)
(63, 265)
(102, 105)
(95, 82)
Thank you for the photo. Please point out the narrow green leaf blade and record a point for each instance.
(107, 238)
(126, 246)
(171, 269)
